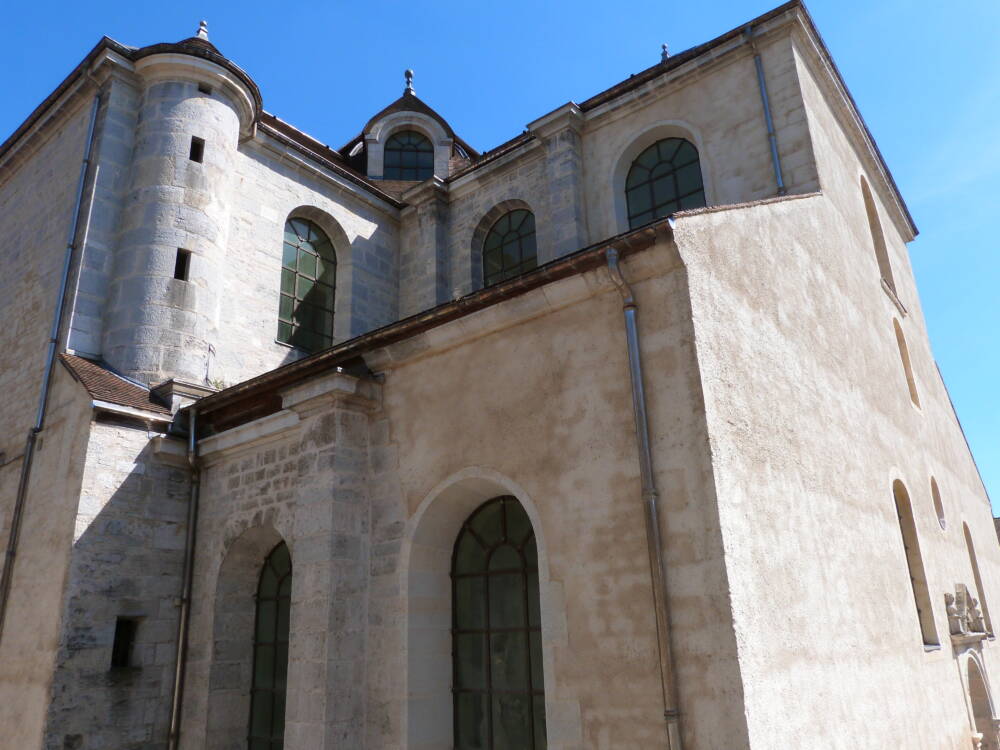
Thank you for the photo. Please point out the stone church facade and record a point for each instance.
(626, 433)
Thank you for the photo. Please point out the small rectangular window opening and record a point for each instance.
(121, 650)
(197, 149)
(182, 265)
(204, 88)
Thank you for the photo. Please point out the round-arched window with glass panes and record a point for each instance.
(666, 177)
(499, 698)
(270, 652)
(509, 248)
(308, 281)
(408, 155)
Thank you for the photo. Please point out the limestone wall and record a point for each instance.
(127, 557)
(32, 628)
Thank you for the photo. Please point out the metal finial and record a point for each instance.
(203, 30)
(664, 53)
(409, 81)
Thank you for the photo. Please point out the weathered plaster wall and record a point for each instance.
(127, 555)
(810, 421)
(32, 627)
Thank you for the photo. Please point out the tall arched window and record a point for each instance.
(915, 564)
(408, 155)
(509, 248)
(499, 697)
(270, 652)
(308, 281)
(878, 238)
(980, 591)
(666, 177)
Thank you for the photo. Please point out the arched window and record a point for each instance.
(270, 652)
(509, 248)
(408, 155)
(904, 356)
(878, 238)
(666, 177)
(980, 592)
(308, 280)
(499, 699)
(915, 564)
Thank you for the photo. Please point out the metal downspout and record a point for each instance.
(50, 355)
(180, 662)
(765, 102)
(650, 502)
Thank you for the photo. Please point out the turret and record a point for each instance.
(162, 314)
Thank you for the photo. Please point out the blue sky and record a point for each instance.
(925, 77)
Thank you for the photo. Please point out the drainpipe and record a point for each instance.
(50, 355)
(765, 102)
(650, 503)
(180, 662)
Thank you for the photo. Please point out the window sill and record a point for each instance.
(892, 296)
(930, 648)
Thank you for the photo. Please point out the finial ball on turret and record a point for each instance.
(203, 30)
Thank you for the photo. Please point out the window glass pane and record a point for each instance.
(639, 200)
(648, 158)
(470, 661)
(284, 332)
(300, 228)
(663, 190)
(507, 601)
(285, 308)
(278, 716)
(505, 557)
(287, 281)
(668, 148)
(263, 666)
(281, 629)
(267, 610)
(260, 715)
(470, 556)
(470, 603)
(535, 639)
(534, 618)
(518, 525)
(488, 523)
(288, 255)
(540, 741)
(281, 663)
(509, 660)
(324, 296)
(471, 724)
(695, 200)
(307, 264)
(512, 726)
(688, 179)
(302, 287)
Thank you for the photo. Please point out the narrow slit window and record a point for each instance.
(121, 649)
(915, 564)
(197, 149)
(978, 579)
(182, 264)
(204, 88)
(878, 238)
(904, 356)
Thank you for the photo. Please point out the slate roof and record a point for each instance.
(104, 385)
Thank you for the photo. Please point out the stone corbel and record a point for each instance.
(335, 388)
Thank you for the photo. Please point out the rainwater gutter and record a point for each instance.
(650, 502)
(765, 102)
(180, 663)
(50, 355)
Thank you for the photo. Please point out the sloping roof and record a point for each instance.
(104, 385)
(410, 102)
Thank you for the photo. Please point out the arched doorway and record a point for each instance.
(982, 707)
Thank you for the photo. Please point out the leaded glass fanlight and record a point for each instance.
(666, 177)
(509, 248)
(308, 280)
(499, 699)
(408, 155)
(270, 652)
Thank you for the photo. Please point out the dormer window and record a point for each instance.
(408, 156)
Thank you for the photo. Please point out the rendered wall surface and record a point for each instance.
(810, 422)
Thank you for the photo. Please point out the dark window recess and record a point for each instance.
(197, 149)
(509, 249)
(666, 177)
(270, 652)
(408, 156)
(182, 264)
(121, 651)
(308, 282)
(204, 88)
